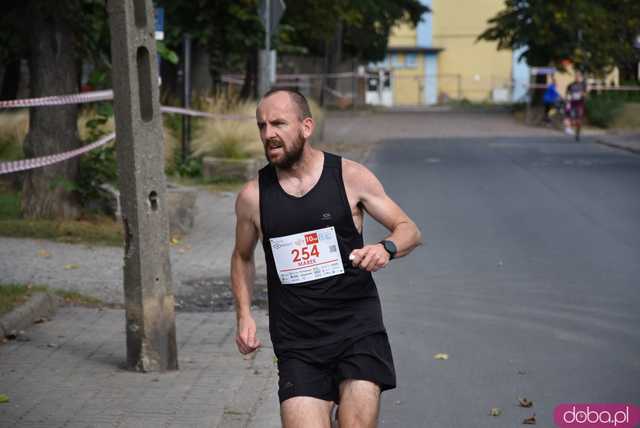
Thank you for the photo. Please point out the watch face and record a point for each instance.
(390, 247)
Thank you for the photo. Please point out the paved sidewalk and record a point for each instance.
(69, 374)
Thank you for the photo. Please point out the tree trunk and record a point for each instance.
(10, 80)
(53, 71)
(249, 86)
(335, 55)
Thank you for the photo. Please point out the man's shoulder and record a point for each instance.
(357, 177)
(249, 196)
(350, 167)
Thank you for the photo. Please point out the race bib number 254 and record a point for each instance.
(307, 256)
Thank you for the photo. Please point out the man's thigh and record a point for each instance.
(305, 412)
(359, 404)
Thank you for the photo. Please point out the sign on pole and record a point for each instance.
(159, 23)
(276, 9)
(271, 12)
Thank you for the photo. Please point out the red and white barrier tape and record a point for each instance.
(106, 95)
(196, 113)
(56, 100)
(24, 164)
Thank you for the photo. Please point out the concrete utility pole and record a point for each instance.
(149, 300)
(270, 14)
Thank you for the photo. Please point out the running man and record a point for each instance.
(576, 95)
(325, 321)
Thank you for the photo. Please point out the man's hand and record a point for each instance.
(246, 335)
(370, 257)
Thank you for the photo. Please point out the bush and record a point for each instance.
(603, 108)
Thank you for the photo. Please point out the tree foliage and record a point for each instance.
(367, 24)
(594, 35)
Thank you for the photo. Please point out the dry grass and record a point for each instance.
(227, 138)
(236, 138)
(628, 118)
(13, 128)
(15, 125)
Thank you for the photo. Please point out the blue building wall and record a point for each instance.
(520, 76)
(425, 39)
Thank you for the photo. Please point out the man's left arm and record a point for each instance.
(403, 231)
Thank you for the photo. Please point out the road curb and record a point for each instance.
(40, 305)
(618, 146)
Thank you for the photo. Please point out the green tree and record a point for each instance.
(362, 26)
(229, 30)
(594, 35)
(55, 39)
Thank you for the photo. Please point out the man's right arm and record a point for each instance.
(243, 266)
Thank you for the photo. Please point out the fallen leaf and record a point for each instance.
(44, 253)
(524, 402)
(495, 412)
(71, 266)
(174, 241)
(531, 420)
(40, 320)
(441, 356)
(4, 398)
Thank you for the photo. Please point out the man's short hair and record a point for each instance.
(296, 98)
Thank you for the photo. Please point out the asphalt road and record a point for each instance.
(528, 279)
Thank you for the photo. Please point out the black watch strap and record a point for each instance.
(390, 247)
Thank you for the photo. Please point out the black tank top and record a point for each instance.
(322, 311)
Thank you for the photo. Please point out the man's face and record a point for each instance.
(578, 77)
(282, 132)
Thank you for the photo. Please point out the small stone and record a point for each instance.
(495, 411)
(397, 403)
(524, 402)
(531, 420)
(52, 345)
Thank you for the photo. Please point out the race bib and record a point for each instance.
(307, 256)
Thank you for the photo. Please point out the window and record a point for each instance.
(410, 60)
(397, 60)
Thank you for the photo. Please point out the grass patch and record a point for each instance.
(9, 205)
(628, 117)
(93, 229)
(78, 299)
(12, 295)
(101, 231)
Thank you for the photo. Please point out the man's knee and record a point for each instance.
(359, 403)
(303, 412)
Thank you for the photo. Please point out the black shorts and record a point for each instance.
(368, 358)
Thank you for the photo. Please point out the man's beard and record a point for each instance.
(291, 156)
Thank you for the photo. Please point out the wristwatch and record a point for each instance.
(390, 247)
